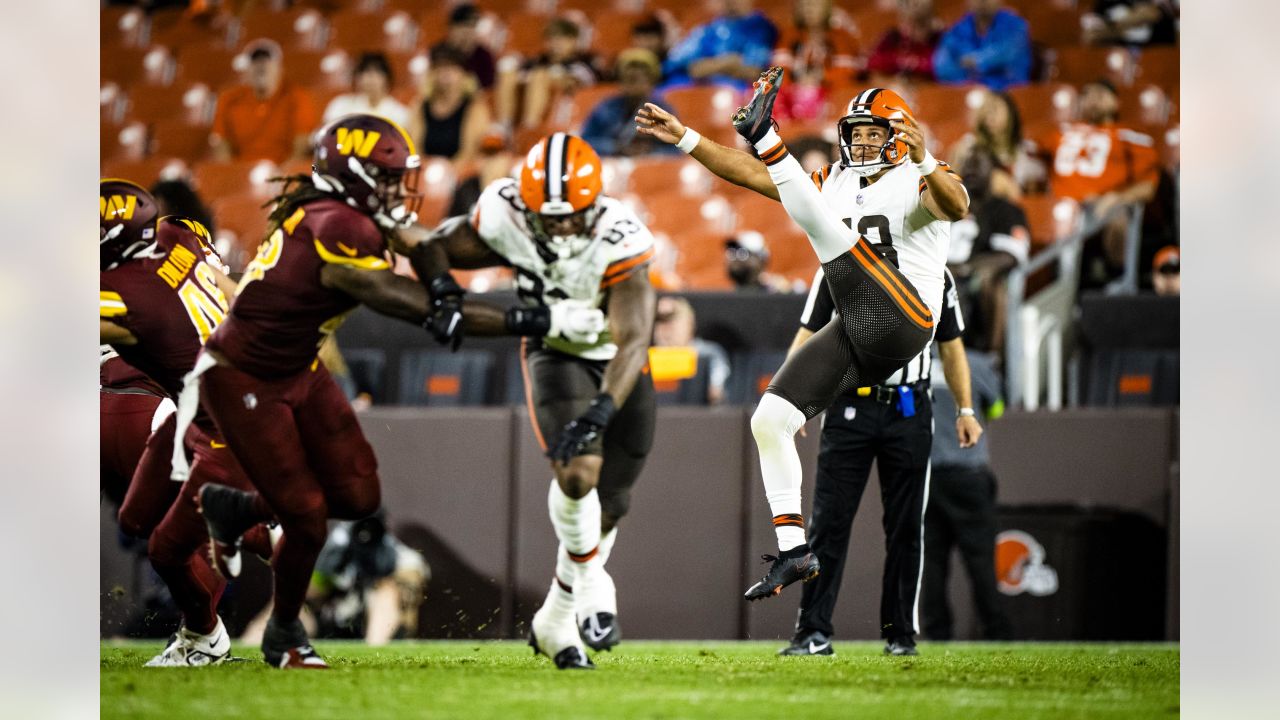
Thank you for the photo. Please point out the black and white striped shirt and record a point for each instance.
(819, 309)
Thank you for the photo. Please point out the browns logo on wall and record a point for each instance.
(1020, 566)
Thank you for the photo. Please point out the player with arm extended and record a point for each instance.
(880, 226)
(282, 415)
(159, 298)
(591, 402)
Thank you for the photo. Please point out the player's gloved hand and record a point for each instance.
(580, 433)
(444, 322)
(576, 321)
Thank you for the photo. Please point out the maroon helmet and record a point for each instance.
(128, 220)
(371, 163)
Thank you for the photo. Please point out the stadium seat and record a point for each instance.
(129, 66)
(1159, 66)
(439, 177)
(209, 63)
(297, 29)
(1124, 378)
(357, 32)
(522, 34)
(700, 260)
(122, 27)
(676, 213)
(443, 379)
(870, 24)
(175, 137)
(171, 28)
(660, 174)
(236, 177)
(1052, 25)
(946, 110)
(1050, 218)
(709, 109)
(147, 171)
(241, 219)
(788, 245)
(112, 103)
(193, 103)
(368, 368)
(319, 69)
(752, 372)
(1080, 65)
(1145, 107)
(571, 112)
(1045, 104)
(611, 32)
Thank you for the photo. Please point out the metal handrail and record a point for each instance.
(1066, 253)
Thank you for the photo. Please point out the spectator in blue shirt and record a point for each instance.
(611, 127)
(730, 50)
(991, 45)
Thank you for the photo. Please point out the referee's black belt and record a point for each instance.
(888, 394)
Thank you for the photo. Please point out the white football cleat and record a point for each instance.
(189, 649)
(595, 603)
(557, 638)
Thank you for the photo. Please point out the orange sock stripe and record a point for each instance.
(788, 519)
(775, 150)
(563, 585)
(878, 274)
(585, 557)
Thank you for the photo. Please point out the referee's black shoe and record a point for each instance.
(902, 645)
(811, 643)
(753, 120)
(798, 563)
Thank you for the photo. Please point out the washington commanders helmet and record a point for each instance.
(127, 224)
(875, 106)
(371, 163)
(560, 182)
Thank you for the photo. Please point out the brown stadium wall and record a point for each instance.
(468, 488)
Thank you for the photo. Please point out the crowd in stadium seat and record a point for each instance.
(224, 95)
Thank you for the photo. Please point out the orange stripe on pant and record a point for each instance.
(528, 392)
(879, 274)
(897, 282)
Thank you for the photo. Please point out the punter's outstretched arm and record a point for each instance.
(802, 200)
(734, 165)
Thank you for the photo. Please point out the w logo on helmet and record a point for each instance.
(357, 140)
(1020, 566)
(117, 207)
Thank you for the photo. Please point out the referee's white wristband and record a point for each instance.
(928, 164)
(965, 412)
(689, 140)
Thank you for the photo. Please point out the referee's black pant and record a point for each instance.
(900, 446)
(962, 514)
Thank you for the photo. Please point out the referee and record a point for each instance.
(891, 424)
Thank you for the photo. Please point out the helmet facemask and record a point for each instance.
(564, 234)
(886, 155)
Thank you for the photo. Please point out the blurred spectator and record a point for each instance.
(495, 161)
(372, 81)
(1131, 22)
(1104, 167)
(991, 45)
(962, 509)
(997, 133)
(267, 119)
(812, 152)
(662, 270)
(451, 118)
(745, 258)
(651, 34)
(611, 127)
(463, 39)
(985, 246)
(906, 51)
(730, 50)
(178, 197)
(562, 68)
(817, 57)
(674, 325)
(1166, 271)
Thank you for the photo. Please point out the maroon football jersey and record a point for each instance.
(168, 297)
(116, 374)
(282, 312)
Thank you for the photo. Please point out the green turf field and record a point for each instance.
(658, 680)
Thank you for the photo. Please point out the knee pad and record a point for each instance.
(775, 420)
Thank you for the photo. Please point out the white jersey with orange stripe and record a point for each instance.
(890, 212)
(619, 246)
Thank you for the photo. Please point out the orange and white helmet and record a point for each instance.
(561, 178)
(876, 106)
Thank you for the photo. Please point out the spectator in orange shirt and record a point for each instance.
(267, 119)
(818, 56)
(1104, 167)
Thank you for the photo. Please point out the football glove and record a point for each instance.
(580, 433)
(444, 321)
(576, 321)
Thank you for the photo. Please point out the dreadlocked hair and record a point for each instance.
(296, 191)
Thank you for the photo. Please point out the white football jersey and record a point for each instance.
(890, 212)
(619, 246)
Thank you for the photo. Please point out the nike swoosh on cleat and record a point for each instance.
(815, 649)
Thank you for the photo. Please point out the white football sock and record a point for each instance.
(774, 425)
(606, 545)
(558, 603)
(577, 524)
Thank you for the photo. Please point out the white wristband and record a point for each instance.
(689, 140)
(965, 412)
(928, 164)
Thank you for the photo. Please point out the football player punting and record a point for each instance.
(880, 226)
(159, 299)
(281, 413)
(591, 401)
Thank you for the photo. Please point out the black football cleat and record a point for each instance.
(227, 514)
(903, 646)
(573, 658)
(601, 631)
(753, 120)
(795, 564)
(813, 643)
(287, 647)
